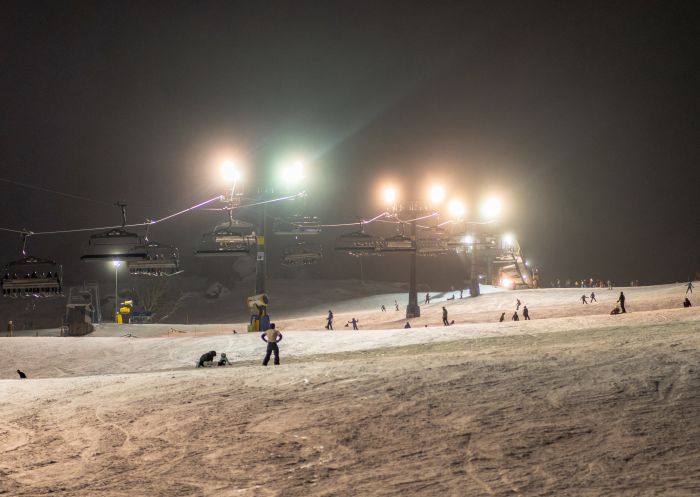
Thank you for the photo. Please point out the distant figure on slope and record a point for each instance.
(610, 285)
(10, 328)
(272, 337)
(444, 316)
(21, 374)
(686, 303)
(503, 317)
(427, 298)
(407, 325)
(396, 304)
(383, 308)
(461, 292)
(583, 299)
(223, 361)
(593, 297)
(526, 313)
(208, 357)
(515, 316)
(329, 320)
(615, 311)
(354, 322)
(517, 304)
(689, 288)
(621, 301)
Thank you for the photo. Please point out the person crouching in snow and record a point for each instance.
(223, 361)
(208, 357)
(272, 337)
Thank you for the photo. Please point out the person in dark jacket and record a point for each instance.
(526, 313)
(21, 374)
(329, 320)
(686, 303)
(515, 316)
(444, 316)
(621, 301)
(503, 317)
(208, 357)
(272, 337)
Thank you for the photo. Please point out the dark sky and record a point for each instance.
(583, 116)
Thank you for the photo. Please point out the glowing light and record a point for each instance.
(491, 209)
(436, 194)
(230, 172)
(116, 264)
(468, 240)
(456, 208)
(390, 195)
(508, 239)
(294, 172)
(506, 282)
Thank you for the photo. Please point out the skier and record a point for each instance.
(21, 374)
(583, 299)
(517, 304)
(272, 337)
(427, 298)
(621, 301)
(383, 308)
(689, 288)
(593, 297)
(526, 314)
(329, 320)
(354, 322)
(208, 357)
(503, 317)
(686, 303)
(444, 316)
(515, 316)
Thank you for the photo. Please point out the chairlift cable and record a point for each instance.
(55, 192)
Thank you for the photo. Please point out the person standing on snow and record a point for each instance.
(593, 297)
(503, 317)
(383, 308)
(10, 328)
(444, 316)
(329, 320)
(526, 313)
(515, 316)
(517, 304)
(689, 288)
(583, 299)
(354, 322)
(427, 298)
(396, 304)
(272, 337)
(621, 301)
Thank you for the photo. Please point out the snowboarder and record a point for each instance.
(427, 298)
(208, 357)
(583, 299)
(515, 316)
(383, 308)
(272, 337)
(517, 304)
(503, 317)
(689, 288)
(10, 328)
(444, 316)
(621, 301)
(593, 297)
(526, 313)
(223, 361)
(329, 320)
(354, 322)
(21, 374)
(686, 303)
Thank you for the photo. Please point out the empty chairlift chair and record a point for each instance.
(115, 244)
(399, 243)
(302, 254)
(359, 243)
(297, 225)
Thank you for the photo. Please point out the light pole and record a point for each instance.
(116, 265)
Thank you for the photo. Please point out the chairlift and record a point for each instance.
(32, 276)
(399, 243)
(358, 243)
(161, 260)
(297, 225)
(431, 246)
(302, 254)
(235, 238)
(113, 244)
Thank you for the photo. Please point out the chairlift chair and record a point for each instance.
(235, 238)
(302, 254)
(358, 243)
(431, 246)
(161, 260)
(113, 244)
(32, 277)
(399, 243)
(297, 225)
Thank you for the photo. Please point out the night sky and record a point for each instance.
(583, 118)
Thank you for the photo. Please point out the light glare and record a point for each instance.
(508, 239)
(116, 264)
(491, 208)
(390, 195)
(456, 208)
(437, 194)
(229, 171)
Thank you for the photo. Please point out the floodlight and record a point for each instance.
(508, 239)
(437, 194)
(456, 208)
(294, 172)
(230, 172)
(116, 264)
(468, 240)
(491, 208)
(390, 195)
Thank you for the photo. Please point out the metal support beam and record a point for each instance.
(413, 309)
(261, 255)
(474, 290)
